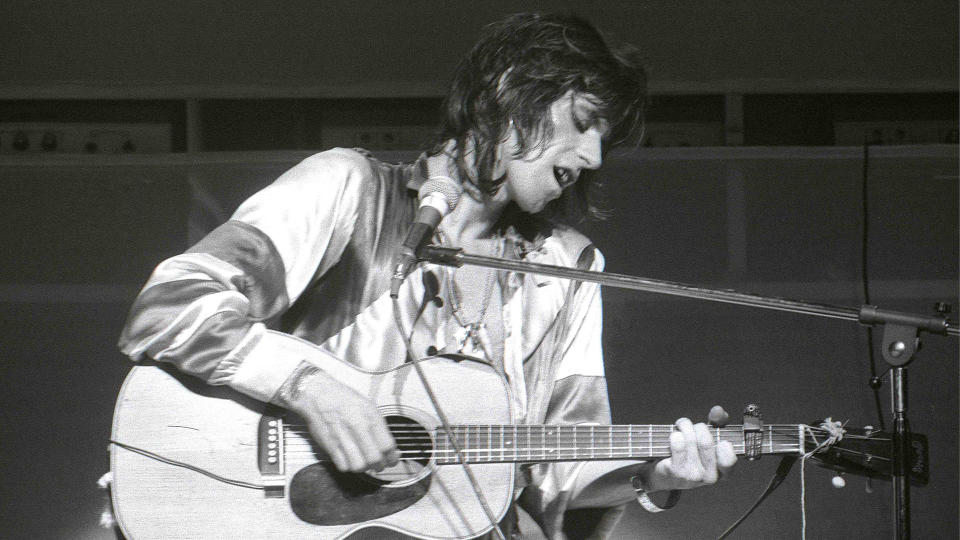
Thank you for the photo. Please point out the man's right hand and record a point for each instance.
(344, 423)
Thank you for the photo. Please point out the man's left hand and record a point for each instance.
(696, 459)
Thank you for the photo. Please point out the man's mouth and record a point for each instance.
(564, 176)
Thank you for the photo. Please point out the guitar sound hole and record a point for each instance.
(416, 450)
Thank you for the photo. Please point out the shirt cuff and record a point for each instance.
(265, 361)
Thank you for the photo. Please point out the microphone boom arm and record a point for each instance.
(867, 314)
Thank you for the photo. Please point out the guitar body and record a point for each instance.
(220, 431)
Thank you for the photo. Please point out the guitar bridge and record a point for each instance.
(270, 456)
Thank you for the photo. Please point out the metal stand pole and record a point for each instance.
(901, 452)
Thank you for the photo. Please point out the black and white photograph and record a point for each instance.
(504, 270)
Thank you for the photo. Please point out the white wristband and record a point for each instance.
(647, 503)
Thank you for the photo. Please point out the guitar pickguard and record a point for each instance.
(322, 495)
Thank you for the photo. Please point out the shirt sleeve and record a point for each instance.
(205, 310)
(578, 396)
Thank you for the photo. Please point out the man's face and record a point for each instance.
(575, 145)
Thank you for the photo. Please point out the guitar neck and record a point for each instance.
(535, 443)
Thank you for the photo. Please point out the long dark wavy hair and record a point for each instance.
(518, 68)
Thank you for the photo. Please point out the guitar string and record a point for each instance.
(527, 439)
(568, 448)
(577, 441)
(586, 428)
(522, 441)
(543, 453)
(781, 440)
(542, 450)
(777, 440)
(510, 438)
(604, 438)
(487, 443)
(581, 437)
(624, 451)
(779, 445)
(566, 445)
(729, 427)
(507, 427)
(421, 443)
(536, 454)
(481, 436)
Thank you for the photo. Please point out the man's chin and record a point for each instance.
(537, 207)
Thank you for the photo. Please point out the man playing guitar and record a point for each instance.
(531, 112)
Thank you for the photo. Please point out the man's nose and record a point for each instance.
(591, 149)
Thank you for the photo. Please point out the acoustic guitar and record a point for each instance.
(191, 460)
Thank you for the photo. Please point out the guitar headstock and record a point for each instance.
(867, 452)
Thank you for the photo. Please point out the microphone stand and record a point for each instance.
(900, 336)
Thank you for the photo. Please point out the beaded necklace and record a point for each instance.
(469, 330)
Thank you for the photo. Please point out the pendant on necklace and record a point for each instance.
(468, 339)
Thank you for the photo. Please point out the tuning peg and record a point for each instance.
(839, 481)
(718, 417)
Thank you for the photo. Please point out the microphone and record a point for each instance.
(439, 195)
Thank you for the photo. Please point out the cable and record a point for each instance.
(446, 425)
(168, 461)
(864, 274)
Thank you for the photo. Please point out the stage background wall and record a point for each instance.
(343, 47)
(83, 236)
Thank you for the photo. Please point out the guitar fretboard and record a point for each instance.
(535, 443)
